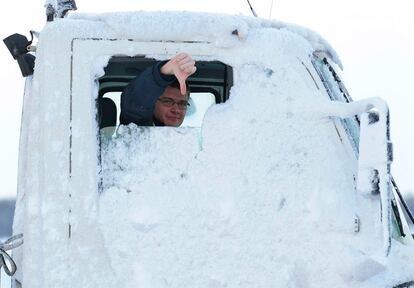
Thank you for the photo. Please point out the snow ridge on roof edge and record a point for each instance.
(315, 39)
(198, 26)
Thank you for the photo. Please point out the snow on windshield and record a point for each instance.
(264, 189)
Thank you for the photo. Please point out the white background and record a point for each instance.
(374, 39)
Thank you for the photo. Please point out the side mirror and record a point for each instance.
(375, 154)
(374, 163)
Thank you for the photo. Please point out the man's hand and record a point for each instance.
(182, 66)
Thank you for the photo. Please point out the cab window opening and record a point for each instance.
(209, 85)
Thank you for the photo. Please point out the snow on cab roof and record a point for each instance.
(223, 30)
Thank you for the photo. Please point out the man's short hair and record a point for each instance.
(176, 84)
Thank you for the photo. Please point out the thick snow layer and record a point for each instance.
(266, 201)
(219, 29)
(263, 195)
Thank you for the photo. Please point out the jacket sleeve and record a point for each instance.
(139, 97)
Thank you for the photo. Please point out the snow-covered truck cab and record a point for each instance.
(277, 187)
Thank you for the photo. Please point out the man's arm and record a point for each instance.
(139, 97)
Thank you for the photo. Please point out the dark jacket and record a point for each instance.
(139, 97)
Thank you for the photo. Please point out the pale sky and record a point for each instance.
(374, 39)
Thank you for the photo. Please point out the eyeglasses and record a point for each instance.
(168, 102)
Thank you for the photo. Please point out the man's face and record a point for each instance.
(170, 108)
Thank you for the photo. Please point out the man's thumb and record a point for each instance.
(183, 87)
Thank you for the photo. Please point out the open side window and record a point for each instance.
(209, 85)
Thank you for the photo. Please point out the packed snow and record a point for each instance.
(262, 195)
(220, 29)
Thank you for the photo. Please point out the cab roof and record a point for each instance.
(222, 30)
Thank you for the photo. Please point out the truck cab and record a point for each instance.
(277, 179)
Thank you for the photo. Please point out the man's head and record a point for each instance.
(171, 106)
